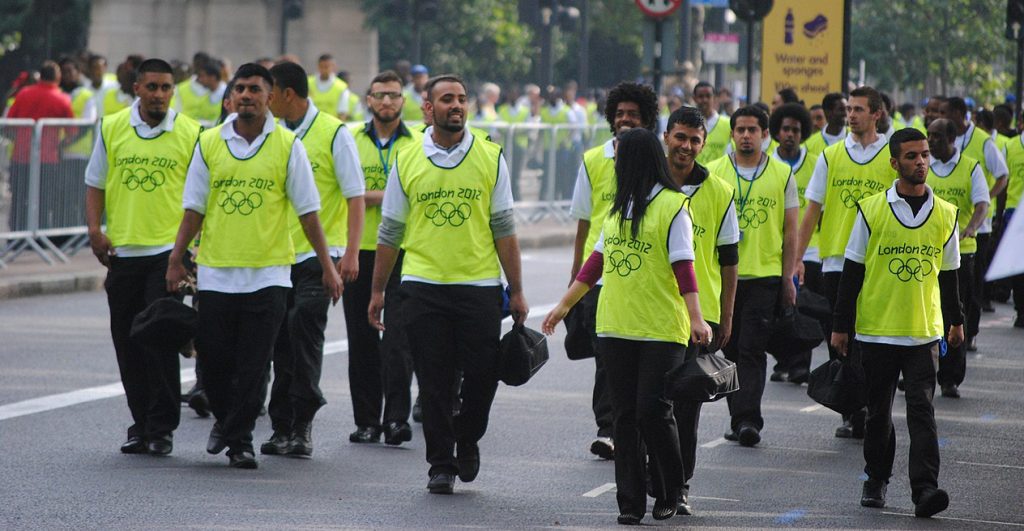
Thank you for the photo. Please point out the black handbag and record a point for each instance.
(794, 334)
(704, 378)
(578, 343)
(839, 385)
(813, 305)
(165, 325)
(521, 354)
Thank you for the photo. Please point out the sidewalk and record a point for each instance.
(29, 275)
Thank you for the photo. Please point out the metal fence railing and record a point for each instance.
(42, 187)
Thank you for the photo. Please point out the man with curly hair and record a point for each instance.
(629, 105)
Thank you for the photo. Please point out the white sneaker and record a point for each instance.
(603, 447)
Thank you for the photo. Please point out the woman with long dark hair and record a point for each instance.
(647, 313)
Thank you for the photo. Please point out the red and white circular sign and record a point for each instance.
(658, 8)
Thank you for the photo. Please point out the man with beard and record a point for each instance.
(448, 203)
(136, 176)
(247, 178)
(629, 105)
(896, 298)
(379, 368)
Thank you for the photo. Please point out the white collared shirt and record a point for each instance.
(582, 203)
(347, 169)
(818, 184)
(299, 187)
(830, 139)
(97, 169)
(856, 249)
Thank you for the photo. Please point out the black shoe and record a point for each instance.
(629, 519)
(243, 460)
(603, 447)
(749, 435)
(396, 433)
(199, 403)
(665, 509)
(931, 502)
(301, 444)
(441, 483)
(987, 307)
(417, 411)
(950, 391)
(160, 445)
(134, 445)
(684, 508)
(972, 344)
(778, 376)
(365, 435)
(216, 443)
(277, 444)
(873, 493)
(263, 411)
(1018, 322)
(731, 436)
(468, 456)
(798, 376)
(845, 431)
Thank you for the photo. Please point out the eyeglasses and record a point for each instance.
(382, 95)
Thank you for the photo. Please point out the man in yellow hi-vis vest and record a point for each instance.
(136, 176)
(76, 146)
(329, 92)
(448, 202)
(897, 287)
(247, 179)
(298, 355)
(200, 96)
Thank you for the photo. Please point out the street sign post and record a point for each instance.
(658, 10)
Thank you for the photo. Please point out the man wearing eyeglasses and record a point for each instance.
(379, 368)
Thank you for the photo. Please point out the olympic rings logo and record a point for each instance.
(137, 178)
(850, 197)
(750, 218)
(240, 202)
(623, 263)
(911, 269)
(448, 212)
(376, 183)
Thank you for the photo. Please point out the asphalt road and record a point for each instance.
(61, 468)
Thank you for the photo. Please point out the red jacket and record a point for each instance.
(42, 100)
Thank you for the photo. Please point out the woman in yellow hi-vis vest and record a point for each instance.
(647, 314)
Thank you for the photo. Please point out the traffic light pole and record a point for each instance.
(750, 62)
(1019, 83)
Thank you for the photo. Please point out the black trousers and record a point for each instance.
(236, 337)
(687, 415)
(299, 350)
(151, 378)
(882, 367)
(981, 261)
(643, 417)
(453, 328)
(756, 302)
(600, 402)
(953, 366)
(379, 369)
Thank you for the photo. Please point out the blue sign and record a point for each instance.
(710, 3)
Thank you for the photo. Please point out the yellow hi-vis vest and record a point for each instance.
(900, 296)
(145, 179)
(195, 106)
(411, 111)
(1015, 161)
(955, 188)
(761, 212)
(319, 141)
(373, 161)
(248, 211)
(600, 171)
(110, 102)
(708, 206)
(974, 147)
(640, 298)
(448, 236)
(802, 173)
(327, 101)
(847, 183)
(83, 146)
(717, 139)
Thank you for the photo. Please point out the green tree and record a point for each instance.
(616, 45)
(952, 43)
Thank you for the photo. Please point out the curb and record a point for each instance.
(61, 283)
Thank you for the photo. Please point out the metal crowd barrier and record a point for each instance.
(42, 169)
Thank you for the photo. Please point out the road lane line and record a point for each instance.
(713, 498)
(812, 409)
(990, 464)
(607, 487)
(993, 522)
(90, 394)
(717, 442)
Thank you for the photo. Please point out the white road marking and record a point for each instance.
(607, 487)
(90, 394)
(990, 464)
(717, 442)
(811, 450)
(812, 409)
(993, 522)
(713, 498)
